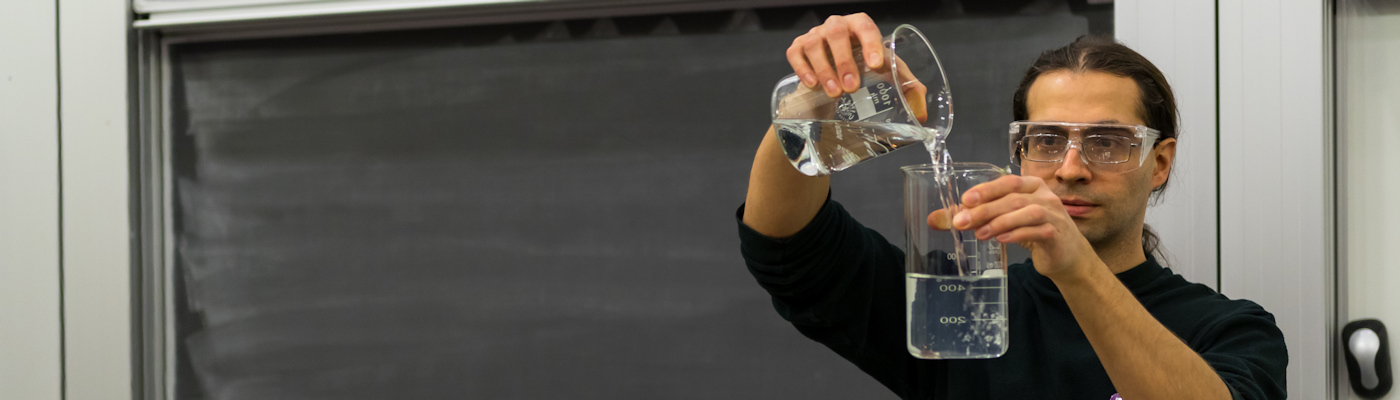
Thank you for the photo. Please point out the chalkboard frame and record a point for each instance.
(154, 165)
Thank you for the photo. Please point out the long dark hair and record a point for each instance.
(1156, 105)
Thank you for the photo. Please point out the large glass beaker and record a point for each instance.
(955, 285)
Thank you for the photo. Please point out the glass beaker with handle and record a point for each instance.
(905, 101)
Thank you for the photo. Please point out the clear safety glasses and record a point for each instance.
(1107, 147)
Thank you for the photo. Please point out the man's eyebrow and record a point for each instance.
(1108, 121)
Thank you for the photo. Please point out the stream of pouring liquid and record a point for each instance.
(936, 143)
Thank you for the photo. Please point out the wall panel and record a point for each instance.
(29, 239)
(1275, 175)
(98, 268)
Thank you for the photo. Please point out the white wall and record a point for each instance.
(29, 237)
(1368, 129)
(1273, 149)
(1274, 244)
(1179, 38)
(1275, 156)
(65, 304)
(97, 263)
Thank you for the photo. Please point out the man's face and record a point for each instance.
(1107, 206)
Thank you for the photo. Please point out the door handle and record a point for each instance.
(1367, 350)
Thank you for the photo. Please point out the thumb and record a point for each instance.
(939, 220)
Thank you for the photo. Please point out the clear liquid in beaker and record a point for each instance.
(957, 316)
(821, 147)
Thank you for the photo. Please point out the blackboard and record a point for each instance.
(529, 211)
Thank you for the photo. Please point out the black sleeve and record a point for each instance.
(842, 285)
(1246, 348)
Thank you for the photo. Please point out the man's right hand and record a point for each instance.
(823, 56)
(781, 200)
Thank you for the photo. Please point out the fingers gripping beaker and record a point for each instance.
(955, 285)
(893, 108)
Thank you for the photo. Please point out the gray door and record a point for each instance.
(1368, 131)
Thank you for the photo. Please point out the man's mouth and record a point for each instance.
(1078, 208)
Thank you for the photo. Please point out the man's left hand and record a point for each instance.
(1023, 210)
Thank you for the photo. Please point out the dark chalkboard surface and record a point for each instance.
(533, 211)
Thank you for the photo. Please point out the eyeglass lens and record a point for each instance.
(1098, 145)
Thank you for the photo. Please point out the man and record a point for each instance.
(1092, 316)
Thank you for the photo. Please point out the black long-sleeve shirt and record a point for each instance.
(842, 285)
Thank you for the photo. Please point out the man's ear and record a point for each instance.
(1164, 155)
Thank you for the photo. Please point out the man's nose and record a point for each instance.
(1073, 168)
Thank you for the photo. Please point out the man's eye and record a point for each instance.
(1107, 143)
(1045, 141)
